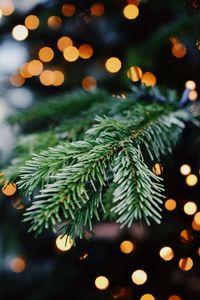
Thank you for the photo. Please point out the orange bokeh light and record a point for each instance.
(97, 9)
(85, 51)
(32, 22)
(64, 42)
(68, 9)
(89, 83)
(46, 54)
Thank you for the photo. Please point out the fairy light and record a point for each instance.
(186, 236)
(97, 9)
(54, 22)
(185, 169)
(113, 64)
(64, 42)
(89, 83)
(47, 77)
(24, 71)
(46, 54)
(190, 84)
(149, 79)
(68, 10)
(190, 208)
(64, 243)
(85, 51)
(185, 263)
(134, 73)
(147, 297)
(179, 50)
(130, 11)
(191, 180)
(71, 54)
(166, 253)
(32, 22)
(193, 95)
(17, 80)
(127, 247)
(170, 204)
(17, 264)
(35, 67)
(9, 189)
(20, 32)
(101, 282)
(59, 78)
(139, 277)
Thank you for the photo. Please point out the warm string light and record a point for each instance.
(191, 180)
(113, 64)
(174, 297)
(85, 51)
(157, 169)
(185, 169)
(190, 208)
(9, 189)
(134, 73)
(32, 22)
(148, 79)
(68, 9)
(101, 282)
(131, 11)
(170, 204)
(64, 243)
(186, 263)
(18, 264)
(97, 9)
(147, 297)
(139, 277)
(186, 236)
(46, 54)
(179, 50)
(71, 54)
(17, 80)
(166, 253)
(35, 67)
(52, 78)
(127, 247)
(190, 85)
(6, 8)
(89, 83)
(54, 22)
(64, 42)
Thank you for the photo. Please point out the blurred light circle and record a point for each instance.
(20, 32)
(85, 51)
(131, 11)
(68, 9)
(64, 243)
(185, 169)
(64, 42)
(71, 54)
(185, 263)
(191, 180)
(97, 9)
(179, 50)
(54, 22)
(134, 73)
(20, 97)
(35, 67)
(190, 208)
(113, 64)
(89, 83)
(47, 77)
(101, 283)
(148, 79)
(7, 7)
(24, 71)
(127, 247)
(170, 204)
(32, 22)
(59, 78)
(139, 277)
(190, 84)
(147, 297)
(16, 80)
(46, 54)
(193, 95)
(18, 264)
(166, 253)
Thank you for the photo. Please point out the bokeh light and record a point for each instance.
(190, 84)
(97, 9)
(134, 73)
(186, 236)
(71, 54)
(197, 218)
(89, 83)
(147, 297)
(47, 77)
(185, 263)
(174, 297)
(127, 247)
(18, 264)
(24, 71)
(191, 180)
(59, 78)
(113, 64)
(166, 253)
(131, 11)
(101, 282)
(35, 67)
(64, 42)
(46, 54)
(149, 79)
(190, 208)
(9, 189)
(32, 22)
(85, 51)
(179, 50)
(193, 95)
(64, 243)
(54, 22)
(170, 204)
(185, 169)
(68, 9)
(7, 7)
(157, 169)
(17, 79)
(139, 277)
(20, 32)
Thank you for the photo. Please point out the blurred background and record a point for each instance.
(51, 47)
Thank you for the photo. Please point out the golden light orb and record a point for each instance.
(18, 264)
(59, 78)
(131, 11)
(149, 79)
(185, 169)
(186, 236)
(97, 9)
(35, 67)
(193, 95)
(24, 71)
(101, 282)
(186, 263)
(68, 9)
(7, 8)
(191, 180)
(190, 84)
(17, 79)
(174, 297)
(71, 54)
(9, 189)
(190, 208)
(179, 50)
(134, 73)
(147, 297)
(54, 22)
(32, 22)
(139, 277)
(113, 64)
(197, 218)
(89, 83)
(20, 32)
(85, 51)
(64, 243)
(64, 42)
(46, 54)
(47, 77)
(170, 204)
(166, 253)
(127, 247)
